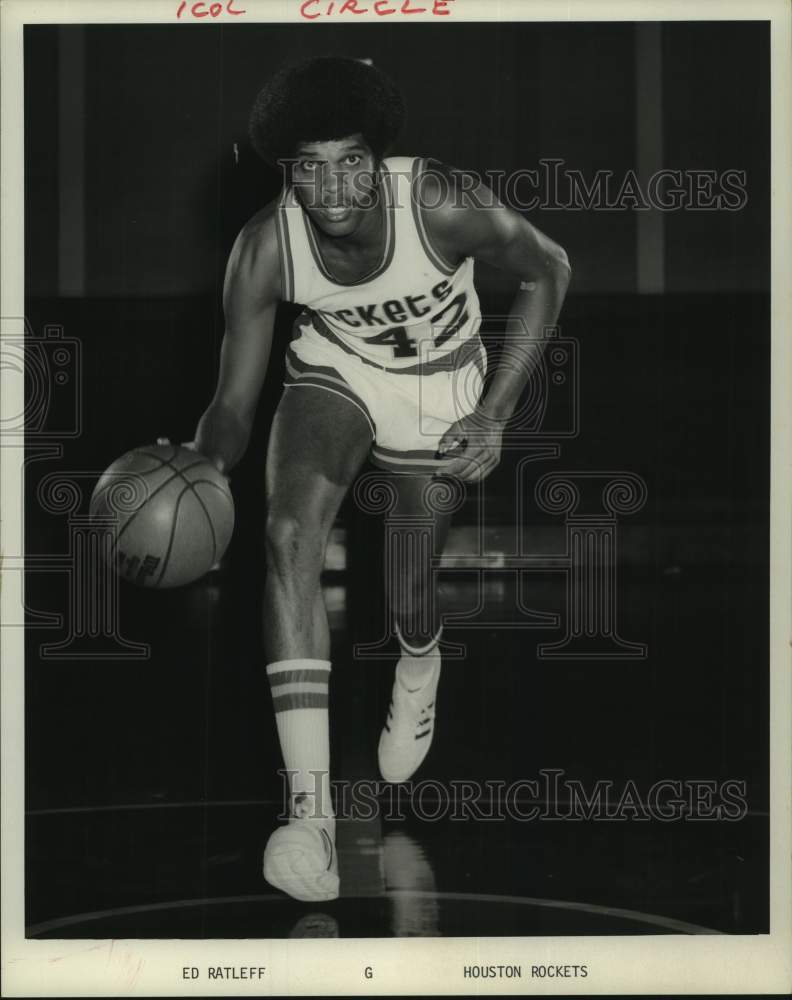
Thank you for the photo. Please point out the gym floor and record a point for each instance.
(153, 785)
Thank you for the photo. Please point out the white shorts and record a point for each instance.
(409, 409)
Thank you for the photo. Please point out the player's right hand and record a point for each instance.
(192, 446)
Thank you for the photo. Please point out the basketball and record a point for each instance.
(170, 513)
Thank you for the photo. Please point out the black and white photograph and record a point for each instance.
(395, 443)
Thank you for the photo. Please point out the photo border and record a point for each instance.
(666, 964)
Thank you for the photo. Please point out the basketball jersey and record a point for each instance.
(412, 307)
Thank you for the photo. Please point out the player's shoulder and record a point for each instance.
(450, 199)
(423, 172)
(259, 235)
(254, 256)
(441, 184)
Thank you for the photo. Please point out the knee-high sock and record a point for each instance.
(415, 664)
(300, 698)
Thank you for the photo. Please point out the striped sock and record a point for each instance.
(416, 663)
(300, 698)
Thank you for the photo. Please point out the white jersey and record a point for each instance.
(412, 309)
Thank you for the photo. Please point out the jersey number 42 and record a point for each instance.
(404, 346)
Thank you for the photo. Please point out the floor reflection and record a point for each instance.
(395, 866)
(408, 870)
(315, 925)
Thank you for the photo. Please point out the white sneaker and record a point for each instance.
(300, 859)
(407, 734)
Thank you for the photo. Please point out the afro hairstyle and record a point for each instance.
(321, 99)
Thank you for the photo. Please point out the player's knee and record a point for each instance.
(291, 544)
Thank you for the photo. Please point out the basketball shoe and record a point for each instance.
(407, 734)
(300, 859)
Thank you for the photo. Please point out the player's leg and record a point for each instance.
(410, 582)
(413, 601)
(317, 444)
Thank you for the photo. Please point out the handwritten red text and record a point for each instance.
(313, 9)
(202, 9)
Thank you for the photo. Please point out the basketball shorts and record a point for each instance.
(408, 410)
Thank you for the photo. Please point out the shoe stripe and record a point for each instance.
(426, 732)
(424, 722)
(387, 727)
(328, 847)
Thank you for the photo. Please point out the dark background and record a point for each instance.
(128, 227)
(165, 104)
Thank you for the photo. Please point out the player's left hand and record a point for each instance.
(476, 447)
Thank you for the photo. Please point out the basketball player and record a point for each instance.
(385, 363)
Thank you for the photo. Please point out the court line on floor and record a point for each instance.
(120, 807)
(561, 904)
(603, 911)
(64, 810)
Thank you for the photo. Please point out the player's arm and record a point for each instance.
(250, 297)
(470, 221)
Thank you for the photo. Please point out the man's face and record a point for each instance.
(334, 181)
